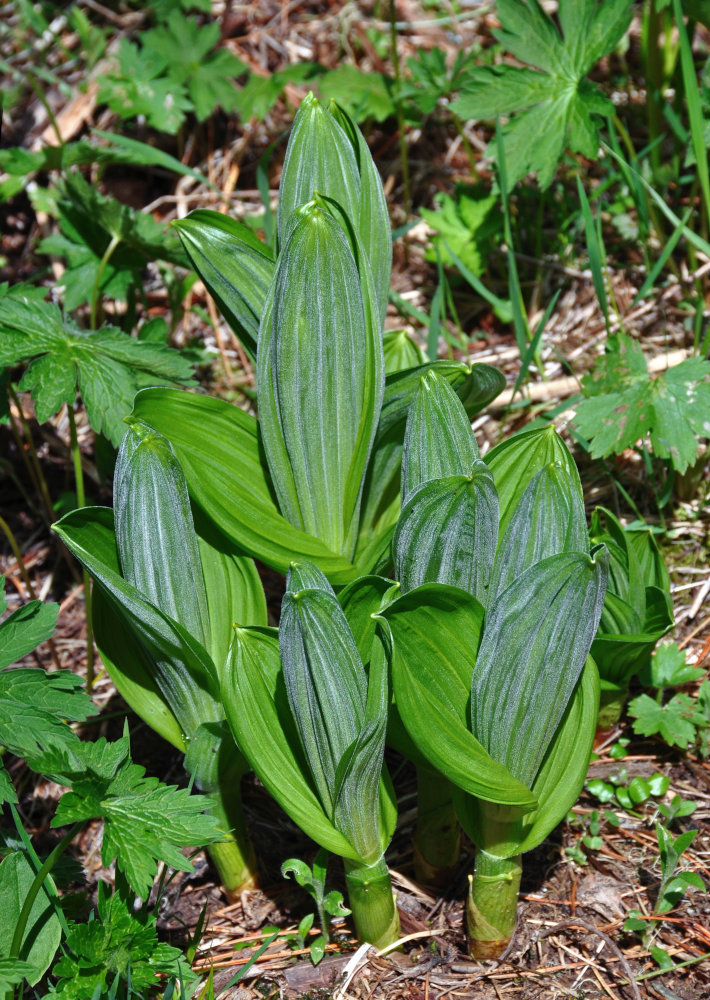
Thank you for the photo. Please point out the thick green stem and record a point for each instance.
(492, 901)
(234, 857)
(437, 839)
(370, 896)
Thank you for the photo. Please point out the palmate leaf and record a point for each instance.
(106, 366)
(145, 821)
(235, 266)
(542, 627)
(553, 105)
(625, 405)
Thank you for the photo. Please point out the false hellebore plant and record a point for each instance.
(316, 476)
(166, 600)
(501, 598)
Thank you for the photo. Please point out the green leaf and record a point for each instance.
(551, 105)
(116, 943)
(515, 461)
(145, 821)
(447, 533)
(137, 87)
(218, 447)
(362, 600)
(34, 710)
(438, 440)
(401, 351)
(625, 405)
(669, 668)
(536, 639)
(675, 721)
(12, 973)
(362, 95)
(435, 637)
(155, 534)
(467, 224)
(235, 267)
(182, 670)
(44, 930)
(24, 628)
(320, 374)
(259, 714)
(107, 366)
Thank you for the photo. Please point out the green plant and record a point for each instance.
(682, 720)
(490, 639)
(552, 101)
(638, 610)
(591, 838)
(328, 901)
(312, 723)
(628, 794)
(163, 614)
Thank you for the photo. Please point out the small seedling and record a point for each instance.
(591, 839)
(683, 720)
(328, 901)
(628, 794)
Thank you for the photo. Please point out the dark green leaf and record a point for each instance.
(44, 930)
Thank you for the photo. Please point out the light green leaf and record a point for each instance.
(536, 639)
(218, 447)
(24, 628)
(435, 636)
(259, 714)
(319, 374)
(361, 601)
(401, 351)
(44, 930)
(236, 268)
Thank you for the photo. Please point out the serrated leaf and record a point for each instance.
(12, 973)
(363, 95)
(43, 931)
(669, 668)
(625, 405)
(106, 366)
(24, 628)
(145, 821)
(675, 721)
(552, 104)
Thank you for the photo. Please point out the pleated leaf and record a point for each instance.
(319, 158)
(324, 675)
(447, 533)
(438, 440)
(373, 218)
(184, 673)
(155, 533)
(537, 637)
(218, 447)
(356, 811)
(259, 714)
(623, 644)
(401, 351)
(556, 786)
(548, 518)
(516, 460)
(435, 633)
(236, 268)
(362, 600)
(132, 669)
(319, 376)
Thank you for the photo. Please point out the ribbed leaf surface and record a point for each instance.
(183, 671)
(516, 460)
(217, 446)
(319, 375)
(438, 441)
(155, 533)
(235, 267)
(447, 533)
(435, 635)
(373, 219)
(259, 714)
(401, 351)
(324, 676)
(548, 519)
(319, 159)
(537, 636)
(361, 601)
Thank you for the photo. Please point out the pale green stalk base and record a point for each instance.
(437, 839)
(234, 857)
(370, 897)
(492, 901)
(611, 705)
